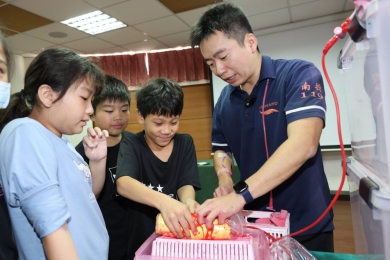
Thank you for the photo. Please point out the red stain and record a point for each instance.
(208, 236)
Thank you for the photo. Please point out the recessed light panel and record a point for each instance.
(94, 23)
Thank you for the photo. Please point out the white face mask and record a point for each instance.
(5, 94)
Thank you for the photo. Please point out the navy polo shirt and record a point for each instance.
(295, 91)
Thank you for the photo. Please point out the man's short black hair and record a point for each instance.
(225, 17)
(160, 96)
(114, 89)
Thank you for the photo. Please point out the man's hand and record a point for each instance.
(220, 207)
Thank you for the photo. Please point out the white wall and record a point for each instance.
(18, 69)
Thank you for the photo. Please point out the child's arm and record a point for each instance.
(59, 245)
(223, 167)
(187, 196)
(95, 147)
(176, 214)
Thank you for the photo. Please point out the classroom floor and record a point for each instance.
(343, 233)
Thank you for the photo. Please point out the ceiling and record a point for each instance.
(151, 24)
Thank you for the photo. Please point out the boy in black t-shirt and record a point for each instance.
(157, 168)
(112, 113)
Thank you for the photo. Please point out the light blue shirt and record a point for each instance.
(46, 184)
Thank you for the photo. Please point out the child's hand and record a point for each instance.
(178, 218)
(225, 186)
(95, 144)
(191, 205)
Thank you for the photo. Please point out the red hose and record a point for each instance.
(329, 45)
(344, 162)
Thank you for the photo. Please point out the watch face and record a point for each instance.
(240, 187)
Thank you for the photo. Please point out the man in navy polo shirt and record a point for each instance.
(270, 117)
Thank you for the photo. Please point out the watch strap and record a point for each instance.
(242, 188)
(247, 196)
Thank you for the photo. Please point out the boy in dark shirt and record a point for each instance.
(157, 168)
(111, 113)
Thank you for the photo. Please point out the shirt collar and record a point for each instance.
(267, 72)
(267, 69)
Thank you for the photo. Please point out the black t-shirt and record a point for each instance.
(8, 249)
(114, 207)
(137, 160)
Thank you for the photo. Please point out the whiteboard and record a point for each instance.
(307, 44)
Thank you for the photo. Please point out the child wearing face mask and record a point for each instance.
(5, 86)
(49, 189)
(8, 249)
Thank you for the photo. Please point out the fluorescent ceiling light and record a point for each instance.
(94, 23)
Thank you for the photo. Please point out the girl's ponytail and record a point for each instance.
(16, 108)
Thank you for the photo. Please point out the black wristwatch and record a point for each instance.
(242, 188)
